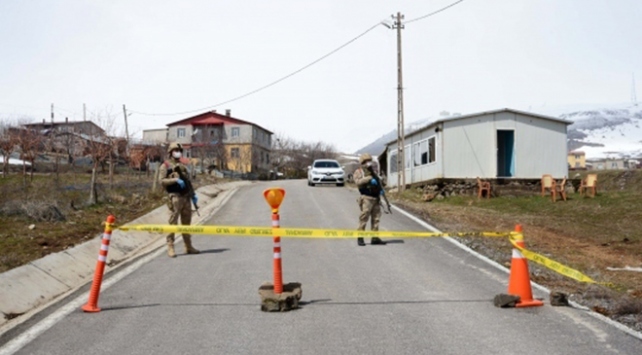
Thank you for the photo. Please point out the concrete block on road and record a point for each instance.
(282, 302)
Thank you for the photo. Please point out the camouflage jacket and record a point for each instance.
(362, 177)
(170, 172)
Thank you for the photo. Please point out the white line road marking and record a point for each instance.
(32, 333)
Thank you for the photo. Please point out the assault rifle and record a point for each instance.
(190, 188)
(383, 191)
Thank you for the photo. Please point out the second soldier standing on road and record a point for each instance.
(370, 188)
(175, 180)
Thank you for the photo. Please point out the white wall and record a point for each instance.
(467, 148)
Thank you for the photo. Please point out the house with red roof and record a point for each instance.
(222, 141)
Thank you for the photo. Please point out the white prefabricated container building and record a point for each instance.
(504, 143)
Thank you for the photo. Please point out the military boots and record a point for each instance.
(189, 249)
(170, 250)
(360, 242)
(170, 246)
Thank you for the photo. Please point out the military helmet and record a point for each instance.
(174, 146)
(364, 158)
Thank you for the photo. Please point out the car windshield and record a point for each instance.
(326, 164)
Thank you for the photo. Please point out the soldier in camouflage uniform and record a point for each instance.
(175, 179)
(369, 201)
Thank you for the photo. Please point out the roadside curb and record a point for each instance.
(29, 287)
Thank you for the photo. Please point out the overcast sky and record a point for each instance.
(165, 57)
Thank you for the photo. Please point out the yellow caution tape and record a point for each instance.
(249, 231)
(295, 232)
(555, 266)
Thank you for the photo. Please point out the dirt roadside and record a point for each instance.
(622, 304)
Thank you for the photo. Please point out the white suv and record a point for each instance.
(326, 171)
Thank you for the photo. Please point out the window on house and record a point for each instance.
(267, 158)
(577, 164)
(180, 132)
(236, 131)
(393, 162)
(234, 152)
(431, 150)
(420, 152)
(577, 157)
(261, 157)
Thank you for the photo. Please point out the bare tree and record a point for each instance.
(279, 155)
(8, 142)
(293, 157)
(71, 145)
(30, 144)
(102, 150)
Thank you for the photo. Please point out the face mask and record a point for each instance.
(176, 155)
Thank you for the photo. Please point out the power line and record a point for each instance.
(265, 86)
(434, 13)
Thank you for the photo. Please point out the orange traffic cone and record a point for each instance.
(519, 282)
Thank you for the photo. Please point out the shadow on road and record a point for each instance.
(211, 251)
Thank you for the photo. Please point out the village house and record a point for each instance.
(220, 141)
(71, 140)
(155, 136)
(87, 128)
(611, 164)
(500, 144)
(576, 160)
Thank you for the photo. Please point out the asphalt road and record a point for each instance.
(413, 296)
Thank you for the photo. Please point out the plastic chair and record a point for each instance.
(559, 189)
(548, 183)
(481, 187)
(589, 183)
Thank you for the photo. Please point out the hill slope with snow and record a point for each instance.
(613, 131)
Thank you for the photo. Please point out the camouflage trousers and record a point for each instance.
(179, 206)
(370, 210)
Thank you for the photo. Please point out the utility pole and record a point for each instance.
(401, 154)
(84, 112)
(52, 134)
(126, 131)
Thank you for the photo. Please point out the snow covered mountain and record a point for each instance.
(601, 131)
